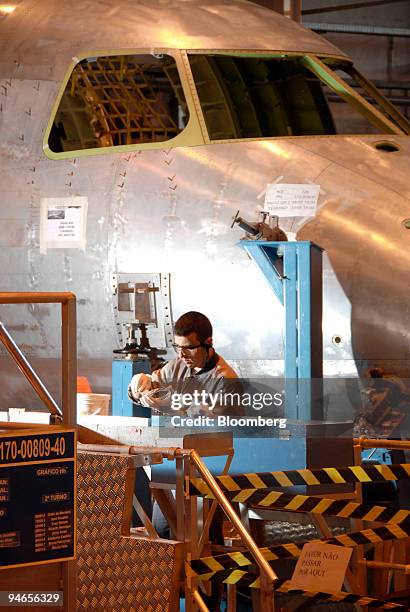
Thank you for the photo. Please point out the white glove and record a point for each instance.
(156, 398)
(140, 383)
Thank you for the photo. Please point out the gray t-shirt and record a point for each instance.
(217, 380)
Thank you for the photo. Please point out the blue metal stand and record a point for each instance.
(122, 372)
(294, 272)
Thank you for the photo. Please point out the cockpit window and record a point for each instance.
(141, 100)
(372, 101)
(119, 100)
(253, 97)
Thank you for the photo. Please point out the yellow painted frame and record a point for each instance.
(191, 135)
(312, 62)
(196, 133)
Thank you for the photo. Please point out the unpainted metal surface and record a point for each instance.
(40, 29)
(169, 210)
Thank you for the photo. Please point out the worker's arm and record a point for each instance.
(140, 383)
(152, 390)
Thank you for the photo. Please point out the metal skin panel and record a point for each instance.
(169, 210)
(116, 573)
(42, 29)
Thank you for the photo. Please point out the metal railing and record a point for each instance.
(68, 414)
(183, 526)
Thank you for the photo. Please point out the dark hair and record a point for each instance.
(194, 322)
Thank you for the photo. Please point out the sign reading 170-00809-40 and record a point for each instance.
(35, 447)
(37, 497)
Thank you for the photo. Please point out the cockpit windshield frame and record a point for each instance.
(386, 121)
(196, 133)
(190, 135)
(390, 121)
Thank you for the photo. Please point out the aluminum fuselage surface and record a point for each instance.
(169, 209)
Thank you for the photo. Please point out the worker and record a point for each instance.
(197, 367)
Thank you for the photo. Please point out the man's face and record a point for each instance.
(190, 351)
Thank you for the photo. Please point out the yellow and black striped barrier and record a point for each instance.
(246, 579)
(284, 586)
(275, 500)
(290, 478)
(255, 490)
(360, 600)
(206, 568)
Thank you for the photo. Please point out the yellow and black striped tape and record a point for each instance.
(318, 505)
(239, 578)
(207, 567)
(289, 478)
(342, 596)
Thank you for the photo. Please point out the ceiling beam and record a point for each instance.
(348, 7)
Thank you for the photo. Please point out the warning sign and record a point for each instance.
(63, 223)
(289, 200)
(321, 567)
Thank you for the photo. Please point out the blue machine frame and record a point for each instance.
(294, 272)
(122, 372)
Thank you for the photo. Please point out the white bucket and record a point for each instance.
(93, 403)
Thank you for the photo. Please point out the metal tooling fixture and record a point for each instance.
(294, 272)
(143, 300)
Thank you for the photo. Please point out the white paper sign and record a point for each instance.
(321, 567)
(63, 223)
(287, 200)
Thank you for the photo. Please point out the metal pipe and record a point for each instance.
(233, 517)
(179, 498)
(383, 443)
(199, 601)
(67, 299)
(25, 297)
(4, 425)
(28, 371)
(116, 449)
(168, 453)
(69, 360)
(394, 567)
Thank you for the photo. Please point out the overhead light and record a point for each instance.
(7, 8)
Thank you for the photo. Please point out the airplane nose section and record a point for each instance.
(381, 159)
(363, 224)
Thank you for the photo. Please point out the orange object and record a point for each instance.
(83, 386)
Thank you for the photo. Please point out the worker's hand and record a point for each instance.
(140, 383)
(156, 398)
